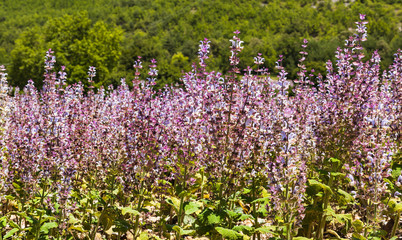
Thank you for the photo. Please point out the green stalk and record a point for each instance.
(38, 227)
(256, 225)
(202, 183)
(321, 226)
(93, 234)
(137, 218)
(180, 215)
(396, 222)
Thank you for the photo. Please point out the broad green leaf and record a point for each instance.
(357, 236)
(143, 236)
(358, 225)
(16, 186)
(395, 205)
(78, 228)
(174, 202)
(10, 233)
(228, 233)
(46, 218)
(13, 224)
(343, 218)
(188, 220)
(323, 186)
(261, 200)
(3, 222)
(243, 228)
(121, 226)
(192, 207)
(184, 194)
(47, 226)
(72, 219)
(398, 207)
(30, 219)
(213, 219)
(9, 197)
(335, 160)
(267, 229)
(182, 231)
(107, 218)
(130, 210)
(232, 214)
(337, 174)
(346, 196)
(378, 235)
(246, 191)
(245, 217)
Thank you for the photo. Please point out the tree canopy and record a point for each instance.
(111, 34)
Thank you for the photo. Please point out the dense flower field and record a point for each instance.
(236, 156)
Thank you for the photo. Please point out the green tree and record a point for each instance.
(77, 44)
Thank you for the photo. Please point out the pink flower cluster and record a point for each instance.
(235, 127)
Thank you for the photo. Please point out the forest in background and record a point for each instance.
(111, 34)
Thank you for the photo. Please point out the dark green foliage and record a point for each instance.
(170, 30)
(77, 43)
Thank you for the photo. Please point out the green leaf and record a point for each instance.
(174, 202)
(228, 233)
(182, 231)
(10, 233)
(9, 197)
(121, 226)
(13, 224)
(78, 228)
(107, 218)
(245, 217)
(184, 194)
(395, 205)
(261, 200)
(16, 186)
(233, 214)
(346, 197)
(47, 226)
(398, 207)
(144, 236)
(30, 219)
(243, 228)
(213, 219)
(301, 238)
(3, 222)
(188, 220)
(72, 219)
(192, 207)
(358, 225)
(337, 174)
(246, 191)
(323, 186)
(129, 210)
(343, 218)
(46, 218)
(357, 236)
(378, 234)
(267, 229)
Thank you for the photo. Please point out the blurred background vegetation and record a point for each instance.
(110, 34)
